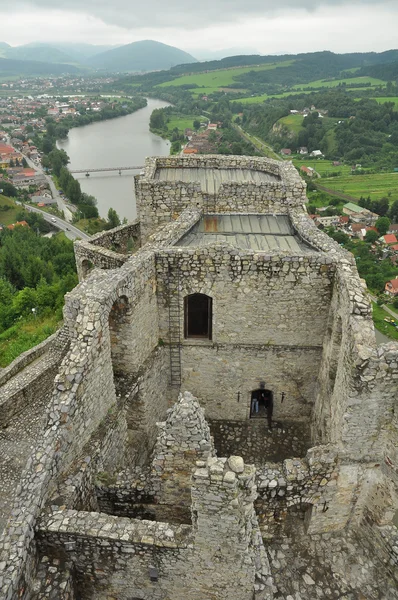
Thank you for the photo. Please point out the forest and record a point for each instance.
(35, 274)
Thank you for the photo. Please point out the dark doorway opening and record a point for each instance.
(262, 405)
(198, 316)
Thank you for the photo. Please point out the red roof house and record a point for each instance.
(390, 238)
(391, 287)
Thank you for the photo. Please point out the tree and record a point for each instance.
(113, 218)
(73, 191)
(371, 236)
(382, 225)
(395, 302)
(24, 163)
(196, 124)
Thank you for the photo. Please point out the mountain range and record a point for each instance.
(136, 57)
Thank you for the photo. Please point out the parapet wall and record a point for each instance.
(161, 201)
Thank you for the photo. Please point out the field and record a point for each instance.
(375, 185)
(216, 79)
(182, 122)
(322, 166)
(378, 318)
(372, 81)
(8, 215)
(292, 122)
(383, 100)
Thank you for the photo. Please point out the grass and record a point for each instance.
(261, 146)
(216, 79)
(330, 83)
(8, 216)
(293, 123)
(182, 122)
(375, 185)
(321, 166)
(378, 319)
(385, 99)
(25, 335)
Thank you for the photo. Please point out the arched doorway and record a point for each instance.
(262, 405)
(86, 267)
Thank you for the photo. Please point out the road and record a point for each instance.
(386, 308)
(54, 192)
(71, 231)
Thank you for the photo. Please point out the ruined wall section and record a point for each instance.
(158, 202)
(358, 379)
(107, 250)
(258, 300)
(31, 375)
(84, 394)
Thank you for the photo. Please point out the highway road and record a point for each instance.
(71, 231)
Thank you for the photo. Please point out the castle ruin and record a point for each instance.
(214, 420)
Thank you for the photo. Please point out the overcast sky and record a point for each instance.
(265, 26)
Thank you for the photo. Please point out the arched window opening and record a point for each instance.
(198, 316)
(87, 266)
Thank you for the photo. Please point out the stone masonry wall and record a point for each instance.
(84, 393)
(107, 250)
(258, 300)
(161, 201)
(182, 439)
(224, 375)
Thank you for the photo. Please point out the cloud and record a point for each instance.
(188, 14)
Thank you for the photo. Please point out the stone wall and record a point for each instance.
(107, 250)
(358, 379)
(224, 375)
(31, 375)
(84, 394)
(183, 439)
(159, 201)
(257, 302)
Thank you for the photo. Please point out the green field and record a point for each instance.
(335, 82)
(182, 122)
(383, 100)
(292, 122)
(322, 167)
(378, 318)
(375, 185)
(8, 215)
(216, 79)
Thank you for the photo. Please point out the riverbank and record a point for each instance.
(119, 142)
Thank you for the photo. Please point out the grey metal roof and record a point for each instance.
(249, 232)
(211, 179)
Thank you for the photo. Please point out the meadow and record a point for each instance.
(8, 210)
(384, 99)
(292, 122)
(375, 185)
(330, 83)
(214, 80)
(323, 167)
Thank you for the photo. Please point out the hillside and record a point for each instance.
(256, 75)
(140, 56)
(10, 67)
(40, 53)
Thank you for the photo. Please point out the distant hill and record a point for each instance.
(31, 68)
(41, 53)
(140, 56)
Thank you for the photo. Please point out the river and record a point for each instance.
(118, 142)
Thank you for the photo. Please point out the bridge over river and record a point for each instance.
(119, 169)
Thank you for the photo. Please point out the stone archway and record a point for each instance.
(85, 268)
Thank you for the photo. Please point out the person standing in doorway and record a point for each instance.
(254, 405)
